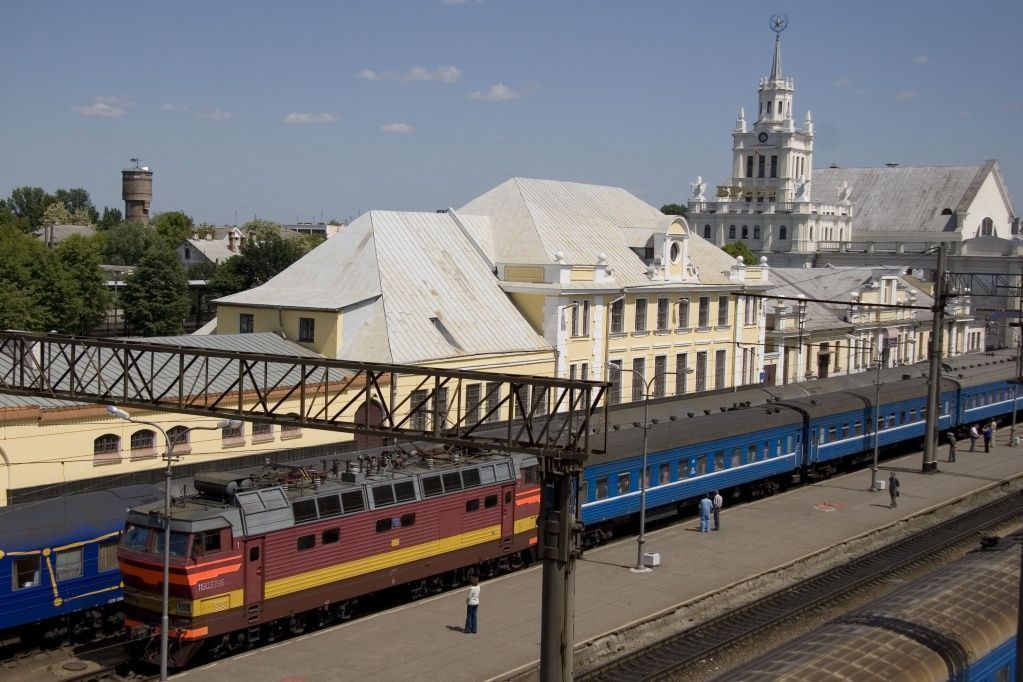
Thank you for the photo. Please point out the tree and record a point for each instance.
(30, 203)
(56, 214)
(24, 262)
(740, 249)
(110, 218)
(155, 297)
(86, 300)
(674, 209)
(79, 204)
(264, 254)
(127, 242)
(173, 227)
(9, 219)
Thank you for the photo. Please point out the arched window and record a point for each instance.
(143, 440)
(987, 227)
(106, 449)
(811, 234)
(179, 436)
(783, 232)
(706, 231)
(745, 232)
(731, 231)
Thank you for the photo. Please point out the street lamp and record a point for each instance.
(640, 568)
(169, 455)
(877, 412)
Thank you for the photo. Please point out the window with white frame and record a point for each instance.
(638, 377)
(660, 375)
(703, 319)
(662, 314)
(614, 377)
(618, 316)
(722, 311)
(640, 315)
(681, 369)
(683, 312)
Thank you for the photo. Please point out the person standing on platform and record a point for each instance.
(974, 435)
(893, 490)
(951, 446)
(718, 503)
(994, 427)
(472, 604)
(988, 435)
(705, 508)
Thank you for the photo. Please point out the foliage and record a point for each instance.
(740, 249)
(203, 270)
(30, 203)
(56, 214)
(674, 209)
(79, 204)
(155, 297)
(43, 290)
(173, 227)
(9, 219)
(127, 242)
(110, 218)
(85, 300)
(264, 254)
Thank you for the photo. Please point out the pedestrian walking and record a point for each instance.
(988, 435)
(472, 604)
(893, 490)
(974, 435)
(718, 503)
(705, 508)
(951, 446)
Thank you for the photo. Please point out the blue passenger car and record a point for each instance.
(58, 557)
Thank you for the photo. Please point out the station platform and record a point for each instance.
(424, 640)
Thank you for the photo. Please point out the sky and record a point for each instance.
(308, 110)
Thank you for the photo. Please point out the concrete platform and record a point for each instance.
(424, 641)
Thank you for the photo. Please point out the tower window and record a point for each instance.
(731, 231)
(745, 231)
(756, 232)
(706, 231)
(761, 162)
(768, 107)
(774, 166)
(749, 166)
(783, 232)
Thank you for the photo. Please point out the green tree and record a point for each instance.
(674, 209)
(110, 218)
(85, 300)
(127, 242)
(56, 214)
(155, 296)
(9, 219)
(740, 249)
(30, 203)
(264, 254)
(227, 278)
(173, 227)
(24, 262)
(79, 204)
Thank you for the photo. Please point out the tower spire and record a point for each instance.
(776, 64)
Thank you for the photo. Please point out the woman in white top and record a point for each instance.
(472, 604)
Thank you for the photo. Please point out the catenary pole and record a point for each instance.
(930, 460)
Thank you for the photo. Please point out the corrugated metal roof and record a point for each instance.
(900, 198)
(413, 287)
(834, 284)
(215, 250)
(535, 220)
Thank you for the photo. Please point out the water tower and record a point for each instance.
(137, 192)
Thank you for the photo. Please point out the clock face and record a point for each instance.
(762, 137)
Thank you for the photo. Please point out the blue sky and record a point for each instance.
(295, 110)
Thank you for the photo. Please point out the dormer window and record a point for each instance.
(675, 252)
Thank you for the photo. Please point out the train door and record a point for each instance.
(254, 578)
(811, 447)
(507, 515)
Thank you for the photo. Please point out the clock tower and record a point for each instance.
(767, 203)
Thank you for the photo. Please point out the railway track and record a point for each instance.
(680, 650)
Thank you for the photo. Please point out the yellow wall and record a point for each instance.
(327, 325)
(53, 446)
(531, 307)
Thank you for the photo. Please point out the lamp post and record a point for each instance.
(801, 312)
(165, 615)
(641, 540)
(877, 412)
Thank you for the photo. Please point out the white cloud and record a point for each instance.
(442, 74)
(497, 93)
(216, 115)
(842, 82)
(400, 128)
(905, 94)
(922, 59)
(107, 107)
(173, 107)
(299, 118)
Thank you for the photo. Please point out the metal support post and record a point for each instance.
(557, 612)
(930, 461)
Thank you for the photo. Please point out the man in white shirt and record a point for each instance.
(718, 503)
(472, 605)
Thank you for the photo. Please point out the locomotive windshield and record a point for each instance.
(142, 539)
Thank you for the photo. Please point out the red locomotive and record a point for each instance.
(256, 558)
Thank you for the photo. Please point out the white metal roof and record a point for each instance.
(532, 221)
(413, 288)
(902, 198)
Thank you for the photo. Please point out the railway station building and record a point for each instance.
(536, 277)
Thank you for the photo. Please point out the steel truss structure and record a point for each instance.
(552, 418)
